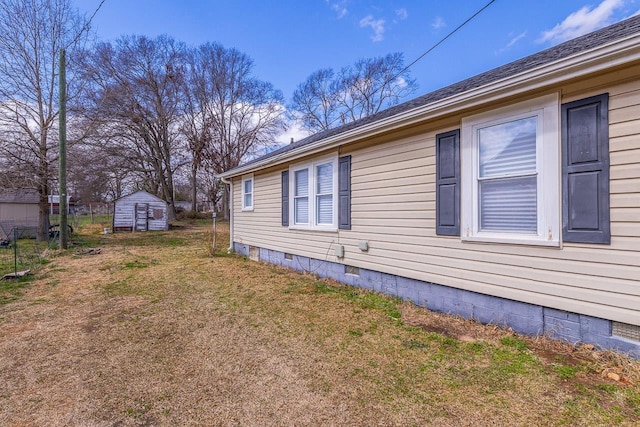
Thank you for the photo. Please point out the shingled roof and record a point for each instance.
(20, 195)
(567, 49)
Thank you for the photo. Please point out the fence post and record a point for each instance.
(214, 232)
(15, 251)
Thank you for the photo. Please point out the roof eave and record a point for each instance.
(610, 55)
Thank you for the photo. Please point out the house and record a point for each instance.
(54, 204)
(18, 208)
(512, 197)
(140, 211)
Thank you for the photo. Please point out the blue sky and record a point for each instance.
(290, 39)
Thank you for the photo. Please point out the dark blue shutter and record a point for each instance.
(585, 170)
(344, 193)
(285, 198)
(448, 183)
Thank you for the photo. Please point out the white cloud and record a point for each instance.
(402, 14)
(339, 7)
(516, 39)
(377, 25)
(295, 131)
(583, 21)
(512, 42)
(438, 23)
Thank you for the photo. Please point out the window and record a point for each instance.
(510, 175)
(247, 193)
(301, 197)
(314, 195)
(507, 176)
(343, 194)
(157, 213)
(324, 194)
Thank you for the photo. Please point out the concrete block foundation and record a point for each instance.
(522, 317)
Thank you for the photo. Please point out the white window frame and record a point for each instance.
(246, 178)
(312, 224)
(547, 110)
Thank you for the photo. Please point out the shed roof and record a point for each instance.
(141, 193)
(19, 195)
(619, 31)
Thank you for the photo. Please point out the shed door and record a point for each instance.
(142, 223)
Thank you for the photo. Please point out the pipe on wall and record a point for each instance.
(230, 184)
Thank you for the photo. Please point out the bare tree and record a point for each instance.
(32, 32)
(94, 175)
(326, 100)
(196, 124)
(317, 101)
(134, 96)
(230, 115)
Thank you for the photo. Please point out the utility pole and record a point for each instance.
(62, 131)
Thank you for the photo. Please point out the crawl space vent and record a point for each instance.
(254, 253)
(624, 330)
(352, 270)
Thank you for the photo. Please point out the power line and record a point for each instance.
(455, 30)
(86, 26)
(442, 40)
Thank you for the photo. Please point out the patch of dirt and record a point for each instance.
(451, 326)
(595, 367)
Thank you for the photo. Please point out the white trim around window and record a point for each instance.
(510, 183)
(313, 194)
(247, 192)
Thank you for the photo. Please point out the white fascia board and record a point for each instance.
(614, 54)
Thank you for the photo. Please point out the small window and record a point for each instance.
(247, 193)
(288, 256)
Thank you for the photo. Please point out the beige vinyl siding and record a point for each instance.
(624, 148)
(262, 226)
(393, 209)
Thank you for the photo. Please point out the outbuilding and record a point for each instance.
(54, 204)
(18, 208)
(140, 211)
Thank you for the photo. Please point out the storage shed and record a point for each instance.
(18, 208)
(140, 211)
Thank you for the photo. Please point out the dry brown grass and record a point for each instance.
(155, 331)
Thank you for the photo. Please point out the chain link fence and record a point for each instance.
(19, 250)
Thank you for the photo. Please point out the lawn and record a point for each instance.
(155, 330)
